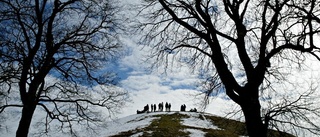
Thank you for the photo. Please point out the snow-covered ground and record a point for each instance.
(131, 122)
(138, 121)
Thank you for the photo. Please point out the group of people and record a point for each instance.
(168, 106)
(154, 108)
(160, 108)
(145, 109)
(183, 107)
(193, 110)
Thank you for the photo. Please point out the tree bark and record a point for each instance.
(25, 121)
(250, 106)
(254, 125)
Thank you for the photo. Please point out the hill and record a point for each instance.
(179, 124)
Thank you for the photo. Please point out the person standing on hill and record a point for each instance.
(162, 106)
(183, 107)
(147, 108)
(167, 106)
(151, 107)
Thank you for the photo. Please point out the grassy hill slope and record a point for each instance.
(185, 124)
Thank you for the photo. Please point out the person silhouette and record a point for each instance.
(167, 106)
(162, 106)
(151, 107)
(159, 107)
(183, 107)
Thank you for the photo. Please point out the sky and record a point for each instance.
(177, 86)
(151, 86)
(144, 86)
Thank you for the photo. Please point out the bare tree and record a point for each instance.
(53, 51)
(242, 43)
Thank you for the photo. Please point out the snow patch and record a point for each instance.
(137, 135)
(128, 123)
(195, 133)
(198, 120)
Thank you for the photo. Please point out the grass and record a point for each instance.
(233, 128)
(170, 125)
(167, 125)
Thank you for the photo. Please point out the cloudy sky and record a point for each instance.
(152, 86)
(176, 85)
(179, 85)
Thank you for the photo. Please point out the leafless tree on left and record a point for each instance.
(52, 53)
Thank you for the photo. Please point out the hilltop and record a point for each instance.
(179, 124)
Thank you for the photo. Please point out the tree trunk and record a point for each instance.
(251, 110)
(254, 124)
(25, 121)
